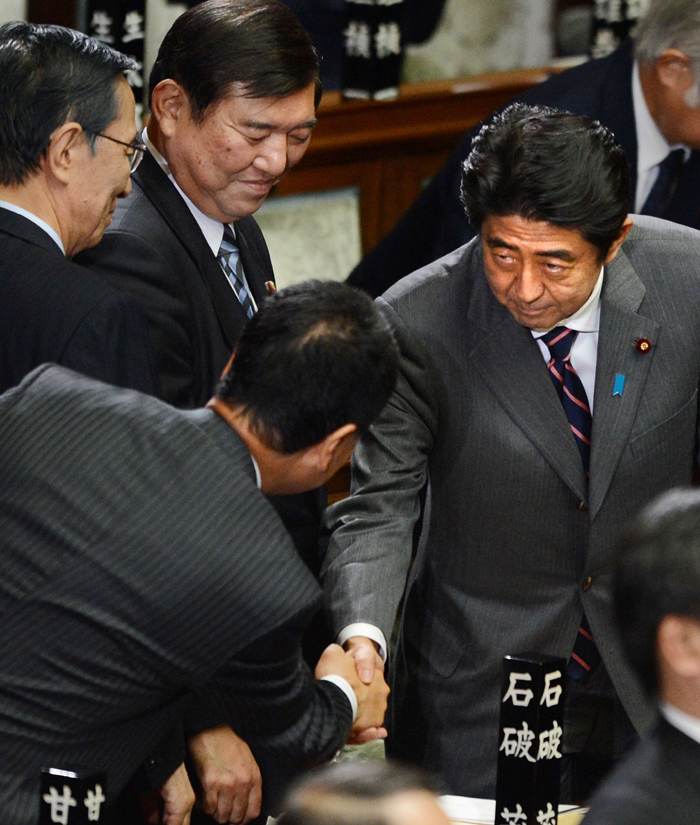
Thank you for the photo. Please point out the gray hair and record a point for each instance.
(669, 24)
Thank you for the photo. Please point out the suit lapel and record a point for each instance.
(613, 415)
(510, 362)
(176, 214)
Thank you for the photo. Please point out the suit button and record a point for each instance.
(582, 507)
(587, 584)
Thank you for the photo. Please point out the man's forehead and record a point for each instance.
(516, 231)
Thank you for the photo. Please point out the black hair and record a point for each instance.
(256, 48)
(316, 356)
(546, 165)
(658, 574)
(349, 793)
(50, 75)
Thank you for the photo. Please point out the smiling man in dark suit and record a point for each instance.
(657, 606)
(646, 93)
(549, 389)
(66, 146)
(233, 95)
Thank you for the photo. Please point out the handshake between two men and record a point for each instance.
(150, 583)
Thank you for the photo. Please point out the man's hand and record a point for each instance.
(367, 659)
(229, 775)
(371, 699)
(178, 796)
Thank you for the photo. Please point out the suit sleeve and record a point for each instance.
(373, 530)
(133, 265)
(112, 344)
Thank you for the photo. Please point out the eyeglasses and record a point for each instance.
(137, 149)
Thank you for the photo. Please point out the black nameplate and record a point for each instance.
(372, 49)
(530, 738)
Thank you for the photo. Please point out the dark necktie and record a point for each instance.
(659, 198)
(230, 261)
(585, 655)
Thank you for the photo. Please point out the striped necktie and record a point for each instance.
(230, 261)
(585, 655)
(659, 199)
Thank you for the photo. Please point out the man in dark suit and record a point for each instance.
(233, 96)
(66, 139)
(142, 564)
(657, 606)
(529, 458)
(645, 93)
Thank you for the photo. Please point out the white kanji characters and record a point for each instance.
(519, 696)
(550, 740)
(609, 10)
(101, 27)
(547, 817)
(358, 40)
(92, 802)
(133, 27)
(60, 804)
(637, 8)
(134, 77)
(606, 41)
(518, 742)
(513, 817)
(387, 40)
(551, 693)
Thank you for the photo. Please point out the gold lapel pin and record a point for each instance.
(643, 345)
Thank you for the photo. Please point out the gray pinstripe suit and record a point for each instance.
(512, 532)
(132, 574)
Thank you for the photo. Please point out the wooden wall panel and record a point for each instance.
(389, 148)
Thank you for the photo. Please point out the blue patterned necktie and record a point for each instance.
(659, 199)
(230, 261)
(585, 655)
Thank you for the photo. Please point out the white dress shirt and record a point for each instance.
(684, 722)
(212, 229)
(50, 231)
(652, 147)
(584, 350)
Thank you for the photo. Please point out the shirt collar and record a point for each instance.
(684, 722)
(585, 319)
(652, 146)
(212, 229)
(50, 231)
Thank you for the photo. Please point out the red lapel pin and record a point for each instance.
(643, 345)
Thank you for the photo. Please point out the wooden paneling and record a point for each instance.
(388, 149)
(60, 12)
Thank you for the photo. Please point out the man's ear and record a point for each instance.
(678, 642)
(674, 70)
(336, 448)
(67, 143)
(617, 243)
(169, 104)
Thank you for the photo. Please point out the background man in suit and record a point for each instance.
(526, 494)
(66, 141)
(646, 93)
(363, 792)
(233, 96)
(141, 563)
(657, 605)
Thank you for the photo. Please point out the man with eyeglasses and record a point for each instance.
(67, 147)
